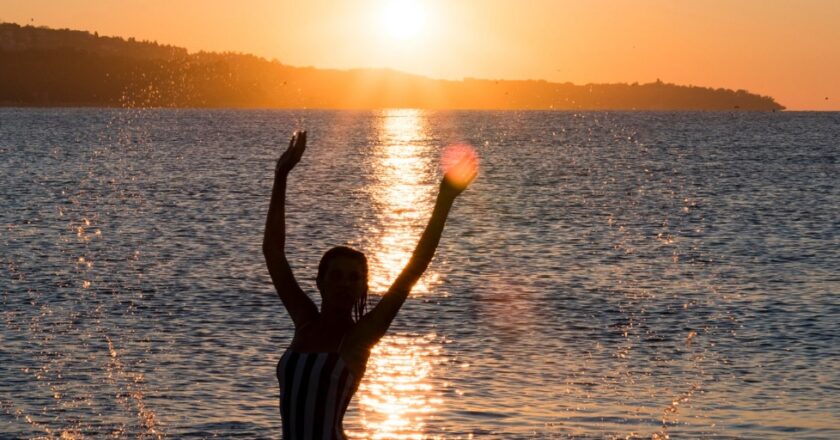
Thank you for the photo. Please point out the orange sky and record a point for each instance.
(786, 49)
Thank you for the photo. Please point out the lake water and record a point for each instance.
(608, 275)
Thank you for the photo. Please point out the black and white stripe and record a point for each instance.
(315, 390)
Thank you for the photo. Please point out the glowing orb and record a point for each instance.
(403, 19)
(459, 164)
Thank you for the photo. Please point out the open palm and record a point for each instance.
(292, 155)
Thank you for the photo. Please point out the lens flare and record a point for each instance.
(460, 164)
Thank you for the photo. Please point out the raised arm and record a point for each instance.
(300, 307)
(375, 323)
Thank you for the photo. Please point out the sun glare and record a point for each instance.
(403, 19)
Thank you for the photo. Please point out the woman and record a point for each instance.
(321, 369)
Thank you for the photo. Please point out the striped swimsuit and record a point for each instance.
(315, 389)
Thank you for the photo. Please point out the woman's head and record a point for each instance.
(342, 279)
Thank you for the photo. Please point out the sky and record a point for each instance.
(789, 50)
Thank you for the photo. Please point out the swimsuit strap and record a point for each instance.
(342, 342)
(304, 325)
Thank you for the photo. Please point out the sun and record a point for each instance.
(403, 19)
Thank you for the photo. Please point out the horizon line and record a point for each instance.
(372, 68)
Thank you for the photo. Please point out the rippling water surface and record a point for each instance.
(608, 275)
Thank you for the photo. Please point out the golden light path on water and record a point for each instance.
(403, 202)
(396, 396)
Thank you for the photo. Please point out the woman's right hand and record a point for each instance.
(292, 155)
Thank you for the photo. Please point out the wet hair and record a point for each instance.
(359, 309)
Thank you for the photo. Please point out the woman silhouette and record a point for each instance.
(321, 369)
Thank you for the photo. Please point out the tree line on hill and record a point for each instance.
(61, 67)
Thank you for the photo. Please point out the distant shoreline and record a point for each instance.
(58, 68)
(70, 106)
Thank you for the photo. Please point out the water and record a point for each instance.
(608, 275)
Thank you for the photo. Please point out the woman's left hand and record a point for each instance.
(460, 171)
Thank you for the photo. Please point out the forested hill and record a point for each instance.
(61, 67)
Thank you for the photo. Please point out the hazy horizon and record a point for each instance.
(779, 50)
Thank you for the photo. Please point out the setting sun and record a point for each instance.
(403, 19)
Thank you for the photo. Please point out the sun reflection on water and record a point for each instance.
(396, 397)
(402, 196)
